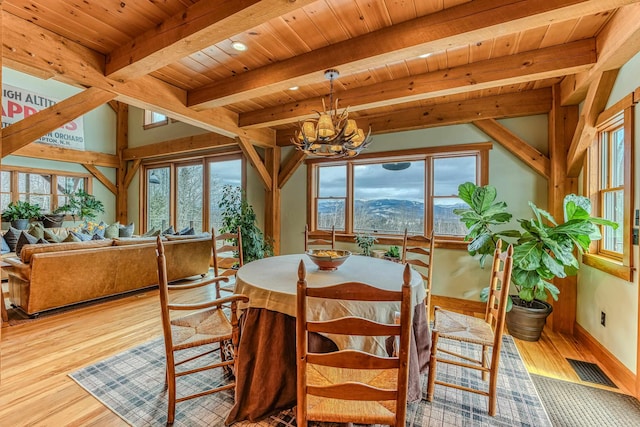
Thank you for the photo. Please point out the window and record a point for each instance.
(153, 119)
(377, 193)
(187, 193)
(608, 182)
(37, 186)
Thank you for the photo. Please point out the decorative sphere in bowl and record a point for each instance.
(328, 259)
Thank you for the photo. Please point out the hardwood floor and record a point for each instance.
(37, 356)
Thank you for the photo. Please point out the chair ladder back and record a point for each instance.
(319, 238)
(354, 291)
(353, 326)
(353, 359)
(163, 286)
(423, 246)
(234, 252)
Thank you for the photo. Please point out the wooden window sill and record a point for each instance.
(608, 265)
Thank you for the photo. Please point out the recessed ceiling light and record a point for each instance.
(239, 46)
(294, 88)
(424, 55)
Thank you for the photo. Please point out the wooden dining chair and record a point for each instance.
(227, 256)
(485, 332)
(324, 238)
(205, 327)
(350, 385)
(422, 246)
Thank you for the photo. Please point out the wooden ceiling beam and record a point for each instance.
(29, 129)
(492, 107)
(516, 145)
(295, 159)
(30, 46)
(585, 133)
(554, 61)
(256, 161)
(102, 178)
(617, 43)
(178, 146)
(459, 25)
(198, 27)
(53, 152)
(131, 172)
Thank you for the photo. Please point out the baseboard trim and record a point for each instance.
(612, 366)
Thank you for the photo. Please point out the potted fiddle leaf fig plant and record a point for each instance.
(542, 250)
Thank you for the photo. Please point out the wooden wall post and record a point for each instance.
(562, 125)
(122, 143)
(272, 198)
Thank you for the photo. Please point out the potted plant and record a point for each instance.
(393, 253)
(365, 242)
(81, 204)
(543, 250)
(19, 213)
(236, 211)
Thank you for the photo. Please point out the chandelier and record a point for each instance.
(333, 133)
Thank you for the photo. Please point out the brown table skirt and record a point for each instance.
(266, 365)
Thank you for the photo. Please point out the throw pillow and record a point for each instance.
(11, 236)
(112, 230)
(80, 235)
(36, 230)
(152, 233)
(71, 238)
(4, 247)
(126, 230)
(169, 230)
(100, 229)
(24, 239)
(96, 237)
(52, 237)
(43, 241)
(189, 231)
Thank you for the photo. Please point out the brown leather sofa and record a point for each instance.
(61, 274)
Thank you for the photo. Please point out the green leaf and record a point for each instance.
(527, 256)
(508, 233)
(553, 290)
(483, 198)
(526, 294)
(465, 192)
(479, 242)
(547, 215)
(484, 294)
(554, 266)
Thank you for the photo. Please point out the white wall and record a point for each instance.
(99, 131)
(456, 273)
(598, 291)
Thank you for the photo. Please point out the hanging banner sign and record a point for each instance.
(18, 104)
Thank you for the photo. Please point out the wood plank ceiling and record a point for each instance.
(415, 57)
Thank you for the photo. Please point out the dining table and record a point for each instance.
(265, 369)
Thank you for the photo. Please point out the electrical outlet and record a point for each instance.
(603, 318)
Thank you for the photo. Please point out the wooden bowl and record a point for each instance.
(328, 259)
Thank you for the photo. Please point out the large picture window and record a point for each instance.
(382, 194)
(45, 188)
(608, 183)
(186, 194)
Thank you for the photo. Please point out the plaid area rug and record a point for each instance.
(131, 384)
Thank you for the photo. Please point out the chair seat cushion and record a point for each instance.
(201, 327)
(462, 327)
(357, 411)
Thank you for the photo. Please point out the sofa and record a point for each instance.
(56, 275)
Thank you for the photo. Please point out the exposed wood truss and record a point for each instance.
(256, 161)
(178, 146)
(102, 178)
(525, 152)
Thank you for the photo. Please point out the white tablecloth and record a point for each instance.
(270, 283)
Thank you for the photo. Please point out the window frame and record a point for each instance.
(480, 150)
(614, 263)
(173, 165)
(14, 172)
(149, 123)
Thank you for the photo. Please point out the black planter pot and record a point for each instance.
(52, 220)
(20, 224)
(526, 323)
